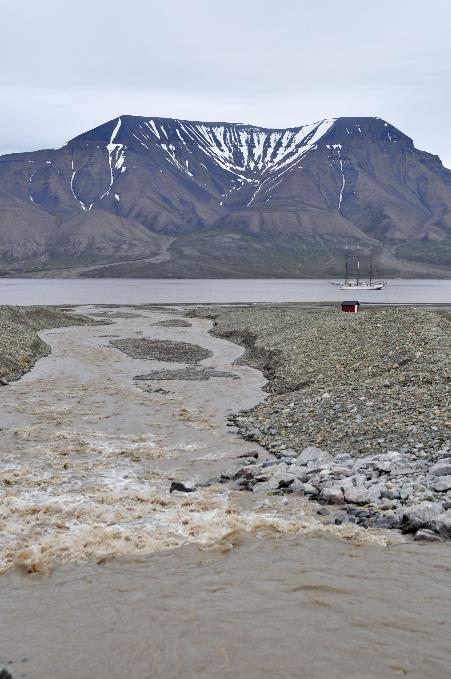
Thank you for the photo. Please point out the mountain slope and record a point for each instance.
(164, 197)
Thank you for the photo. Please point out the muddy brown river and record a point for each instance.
(106, 574)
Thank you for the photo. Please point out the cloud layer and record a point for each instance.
(66, 68)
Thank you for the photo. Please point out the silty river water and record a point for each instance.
(106, 573)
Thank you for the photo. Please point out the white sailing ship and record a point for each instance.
(359, 283)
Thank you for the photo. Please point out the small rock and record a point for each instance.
(309, 489)
(339, 471)
(251, 434)
(312, 454)
(297, 486)
(422, 515)
(390, 493)
(405, 492)
(316, 466)
(252, 453)
(443, 524)
(285, 480)
(442, 468)
(375, 491)
(246, 473)
(333, 495)
(442, 484)
(426, 535)
(270, 463)
(384, 521)
(343, 517)
(357, 495)
(266, 486)
(240, 484)
(383, 466)
(300, 472)
(180, 487)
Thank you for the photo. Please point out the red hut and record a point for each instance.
(351, 307)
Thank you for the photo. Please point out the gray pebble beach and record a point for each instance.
(357, 415)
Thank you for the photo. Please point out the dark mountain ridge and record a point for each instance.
(164, 197)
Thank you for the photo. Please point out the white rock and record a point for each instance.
(266, 486)
(300, 472)
(357, 495)
(422, 515)
(374, 491)
(390, 493)
(297, 486)
(426, 535)
(383, 466)
(309, 489)
(443, 524)
(442, 484)
(406, 492)
(312, 454)
(442, 468)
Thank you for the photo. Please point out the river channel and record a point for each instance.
(106, 573)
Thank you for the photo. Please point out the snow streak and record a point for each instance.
(343, 180)
(252, 155)
(116, 157)
(74, 172)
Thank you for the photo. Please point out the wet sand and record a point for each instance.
(108, 574)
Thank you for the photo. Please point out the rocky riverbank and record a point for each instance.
(20, 345)
(357, 415)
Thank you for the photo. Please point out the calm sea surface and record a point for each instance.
(24, 291)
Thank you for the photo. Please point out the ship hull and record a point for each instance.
(373, 286)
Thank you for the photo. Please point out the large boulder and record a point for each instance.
(441, 484)
(442, 468)
(357, 495)
(443, 524)
(422, 515)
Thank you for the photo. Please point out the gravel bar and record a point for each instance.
(357, 415)
(162, 350)
(189, 373)
(174, 323)
(20, 345)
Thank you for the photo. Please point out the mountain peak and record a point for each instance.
(259, 200)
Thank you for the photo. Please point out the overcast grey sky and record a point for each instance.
(67, 67)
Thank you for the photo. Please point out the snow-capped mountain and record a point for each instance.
(239, 158)
(173, 197)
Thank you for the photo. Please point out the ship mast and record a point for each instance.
(358, 264)
(371, 268)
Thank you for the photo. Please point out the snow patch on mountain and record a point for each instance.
(238, 158)
(249, 154)
(343, 180)
(73, 173)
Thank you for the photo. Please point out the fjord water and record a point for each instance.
(23, 291)
(108, 574)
